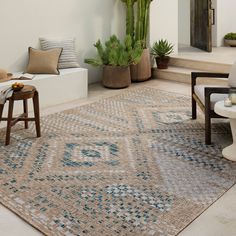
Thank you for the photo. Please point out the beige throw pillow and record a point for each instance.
(43, 62)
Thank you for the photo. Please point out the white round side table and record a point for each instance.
(230, 112)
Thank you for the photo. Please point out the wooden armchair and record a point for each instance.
(206, 96)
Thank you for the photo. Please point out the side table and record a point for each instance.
(28, 92)
(230, 112)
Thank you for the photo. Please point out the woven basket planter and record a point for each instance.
(142, 71)
(116, 77)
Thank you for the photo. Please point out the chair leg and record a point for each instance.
(194, 109)
(9, 120)
(25, 105)
(36, 113)
(207, 128)
(1, 110)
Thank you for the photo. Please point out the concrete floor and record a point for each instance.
(217, 220)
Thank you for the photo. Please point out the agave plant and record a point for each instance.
(162, 48)
(116, 53)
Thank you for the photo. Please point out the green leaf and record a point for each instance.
(162, 48)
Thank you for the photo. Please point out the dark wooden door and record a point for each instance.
(201, 30)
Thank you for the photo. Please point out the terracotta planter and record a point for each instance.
(116, 77)
(162, 62)
(141, 71)
(230, 42)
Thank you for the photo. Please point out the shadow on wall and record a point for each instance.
(21, 60)
(87, 21)
(108, 19)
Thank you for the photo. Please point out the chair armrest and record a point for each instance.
(221, 90)
(209, 74)
(195, 75)
(210, 90)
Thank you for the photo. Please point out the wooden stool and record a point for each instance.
(26, 93)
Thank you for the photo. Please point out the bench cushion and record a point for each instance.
(200, 92)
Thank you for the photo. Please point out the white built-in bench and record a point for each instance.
(71, 84)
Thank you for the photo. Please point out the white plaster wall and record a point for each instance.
(23, 22)
(164, 21)
(184, 21)
(225, 19)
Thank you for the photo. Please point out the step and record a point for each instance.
(183, 75)
(201, 65)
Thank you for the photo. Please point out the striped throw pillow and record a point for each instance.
(68, 57)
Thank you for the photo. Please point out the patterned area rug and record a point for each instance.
(133, 164)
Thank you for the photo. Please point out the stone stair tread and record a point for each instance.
(180, 70)
(183, 75)
(199, 65)
(177, 69)
(206, 60)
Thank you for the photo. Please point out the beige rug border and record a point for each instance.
(198, 215)
(23, 217)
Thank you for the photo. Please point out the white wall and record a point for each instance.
(164, 21)
(225, 19)
(23, 22)
(184, 21)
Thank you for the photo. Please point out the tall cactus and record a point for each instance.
(142, 20)
(130, 18)
(142, 24)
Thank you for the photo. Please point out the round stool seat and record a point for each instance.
(25, 93)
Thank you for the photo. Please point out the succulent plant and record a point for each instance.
(230, 36)
(162, 48)
(116, 53)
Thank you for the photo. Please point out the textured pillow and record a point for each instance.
(43, 62)
(68, 57)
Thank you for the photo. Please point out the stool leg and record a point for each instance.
(1, 110)
(9, 120)
(25, 104)
(36, 113)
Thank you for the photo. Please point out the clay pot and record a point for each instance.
(162, 62)
(116, 77)
(142, 70)
(230, 42)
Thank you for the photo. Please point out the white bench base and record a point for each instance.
(71, 84)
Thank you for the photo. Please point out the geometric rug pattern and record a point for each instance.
(132, 164)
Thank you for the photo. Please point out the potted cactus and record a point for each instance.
(130, 18)
(161, 51)
(116, 58)
(142, 70)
